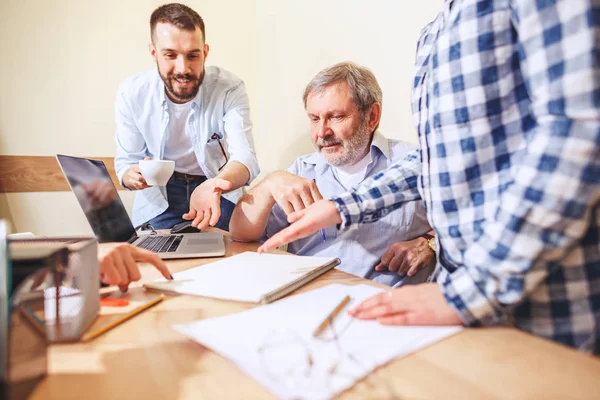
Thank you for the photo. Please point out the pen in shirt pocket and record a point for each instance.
(322, 230)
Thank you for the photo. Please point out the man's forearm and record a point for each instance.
(251, 214)
(381, 194)
(236, 173)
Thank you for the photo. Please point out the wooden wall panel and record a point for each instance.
(20, 174)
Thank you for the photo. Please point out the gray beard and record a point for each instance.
(354, 147)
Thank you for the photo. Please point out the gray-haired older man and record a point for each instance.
(343, 103)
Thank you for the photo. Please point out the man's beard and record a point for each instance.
(353, 149)
(181, 95)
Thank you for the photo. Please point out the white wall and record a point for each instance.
(296, 39)
(62, 61)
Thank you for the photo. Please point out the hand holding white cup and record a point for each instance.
(157, 172)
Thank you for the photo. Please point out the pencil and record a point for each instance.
(331, 316)
(121, 318)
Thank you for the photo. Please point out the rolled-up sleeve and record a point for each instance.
(238, 129)
(131, 146)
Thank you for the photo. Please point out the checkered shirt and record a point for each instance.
(506, 102)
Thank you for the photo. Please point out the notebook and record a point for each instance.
(248, 277)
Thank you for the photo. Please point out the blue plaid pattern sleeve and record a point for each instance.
(381, 194)
(506, 102)
(547, 208)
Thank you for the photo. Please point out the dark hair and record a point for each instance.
(179, 15)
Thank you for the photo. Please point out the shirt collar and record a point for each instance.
(381, 143)
(378, 144)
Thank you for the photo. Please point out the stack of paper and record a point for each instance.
(278, 350)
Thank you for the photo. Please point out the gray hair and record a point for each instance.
(364, 89)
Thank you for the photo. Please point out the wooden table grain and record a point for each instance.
(144, 358)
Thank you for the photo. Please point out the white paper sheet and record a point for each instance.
(244, 277)
(274, 343)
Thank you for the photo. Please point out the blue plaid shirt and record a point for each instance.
(506, 101)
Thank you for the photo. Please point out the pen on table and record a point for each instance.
(322, 231)
(331, 316)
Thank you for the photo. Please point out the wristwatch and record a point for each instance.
(430, 241)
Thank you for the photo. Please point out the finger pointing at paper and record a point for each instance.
(305, 222)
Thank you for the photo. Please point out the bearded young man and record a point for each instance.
(343, 103)
(181, 111)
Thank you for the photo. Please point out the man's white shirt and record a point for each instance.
(143, 117)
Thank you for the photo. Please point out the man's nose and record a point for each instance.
(323, 130)
(181, 65)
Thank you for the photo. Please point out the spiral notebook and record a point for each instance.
(248, 277)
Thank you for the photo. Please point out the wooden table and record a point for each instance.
(145, 359)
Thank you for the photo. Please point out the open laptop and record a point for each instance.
(90, 182)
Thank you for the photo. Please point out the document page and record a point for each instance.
(279, 350)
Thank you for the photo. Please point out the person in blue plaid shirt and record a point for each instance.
(506, 102)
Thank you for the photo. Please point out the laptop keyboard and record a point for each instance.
(161, 244)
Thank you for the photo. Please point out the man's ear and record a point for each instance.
(152, 51)
(374, 116)
(206, 49)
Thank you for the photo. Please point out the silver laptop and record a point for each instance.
(102, 206)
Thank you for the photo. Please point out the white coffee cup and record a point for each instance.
(157, 172)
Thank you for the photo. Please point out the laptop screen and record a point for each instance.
(101, 204)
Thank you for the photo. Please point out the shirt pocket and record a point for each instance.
(216, 150)
(329, 233)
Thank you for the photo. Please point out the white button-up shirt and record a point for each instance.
(221, 107)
